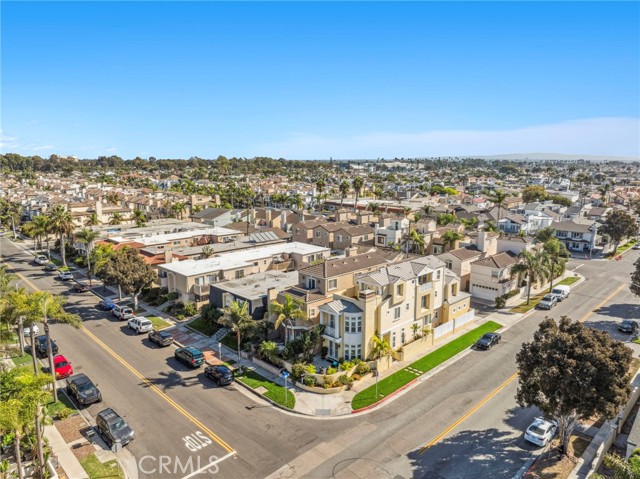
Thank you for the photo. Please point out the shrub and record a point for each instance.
(331, 371)
(500, 302)
(356, 377)
(297, 370)
(310, 380)
(190, 309)
(362, 368)
(172, 296)
(310, 368)
(346, 366)
(180, 317)
(345, 380)
(64, 413)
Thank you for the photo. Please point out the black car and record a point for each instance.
(488, 340)
(190, 356)
(51, 267)
(629, 326)
(81, 287)
(40, 346)
(112, 427)
(161, 338)
(221, 375)
(83, 390)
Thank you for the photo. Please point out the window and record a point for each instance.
(312, 313)
(424, 302)
(400, 289)
(396, 313)
(333, 284)
(449, 264)
(332, 321)
(311, 283)
(200, 280)
(427, 320)
(353, 324)
(438, 275)
(393, 339)
(339, 238)
(495, 274)
(380, 239)
(407, 307)
(435, 294)
(352, 351)
(317, 234)
(424, 279)
(240, 274)
(255, 263)
(297, 231)
(366, 237)
(402, 336)
(176, 243)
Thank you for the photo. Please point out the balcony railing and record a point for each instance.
(425, 286)
(201, 289)
(331, 332)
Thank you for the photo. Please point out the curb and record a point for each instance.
(376, 404)
(270, 401)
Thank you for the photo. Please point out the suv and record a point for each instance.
(628, 326)
(65, 275)
(106, 304)
(140, 324)
(83, 390)
(112, 427)
(40, 346)
(41, 260)
(51, 267)
(161, 338)
(190, 356)
(222, 375)
(548, 302)
(122, 312)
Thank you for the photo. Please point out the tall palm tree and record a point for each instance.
(295, 201)
(321, 185)
(416, 240)
(92, 220)
(179, 209)
(381, 349)
(116, 219)
(208, 251)
(139, 217)
(556, 256)
(237, 318)
(344, 190)
(87, 237)
(490, 227)
(61, 223)
(357, 184)
(289, 311)
(604, 190)
(100, 256)
(531, 266)
(113, 198)
(37, 229)
(498, 198)
(450, 238)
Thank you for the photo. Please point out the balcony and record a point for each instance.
(331, 333)
(201, 289)
(366, 294)
(425, 286)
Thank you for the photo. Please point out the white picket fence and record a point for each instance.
(450, 326)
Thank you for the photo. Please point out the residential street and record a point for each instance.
(387, 442)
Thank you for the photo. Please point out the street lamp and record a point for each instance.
(220, 351)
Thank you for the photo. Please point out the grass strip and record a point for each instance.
(274, 392)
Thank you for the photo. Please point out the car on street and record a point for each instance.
(41, 260)
(636, 246)
(548, 302)
(220, 374)
(27, 330)
(106, 304)
(488, 340)
(51, 267)
(122, 312)
(112, 427)
(140, 324)
(629, 326)
(541, 431)
(562, 292)
(40, 346)
(161, 338)
(62, 367)
(83, 390)
(81, 287)
(190, 356)
(65, 275)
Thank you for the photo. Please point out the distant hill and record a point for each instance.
(556, 156)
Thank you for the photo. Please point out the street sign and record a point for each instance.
(284, 373)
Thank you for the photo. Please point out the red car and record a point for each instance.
(62, 367)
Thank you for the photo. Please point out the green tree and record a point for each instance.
(530, 266)
(179, 209)
(605, 190)
(416, 240)
(545, 234)
(450, 238)
(533, 193)
(127, 269)
(87, 237)
(268, 350)
(490, 227)
(287, 312)
(139, 217)
(92, 220)
(572, 372)
(237, 318)
(617, 226)
(37, 228)
(621, 469)
(445, 218)
(100, 256)
(380, 349)
(61, 223)
(498, 197)
(357, 184)
(556, 257)
(116, 219)
(344, 190)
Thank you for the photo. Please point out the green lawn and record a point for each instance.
(623, 248)
(230, 341)
(8, 337)
(275, 392)
(158, 323)
(96, 469)
(22, 360)
(205, 327)
(63, 402)
(568, 281)
(401, 378)
(524, 307)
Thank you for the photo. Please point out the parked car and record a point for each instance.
(541, 431)
(51, 267)
(488, 340)
(106, 304)
(122, 312)
(62, 367)
(41, 260)
(40, 346)
(82, 389)
(629, 326)
(190, 356)
(561, 292)
(140, 324)
(548, 302)
(27, 330)
(220, 374)
(161, 338)
(65, 275)
(112, 427)
(636, 246)
(81, 287)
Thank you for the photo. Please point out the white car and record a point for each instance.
(65, 275)
(541, 431)
(27, 330)
(122, 312)
(140, 324)
(41, 260)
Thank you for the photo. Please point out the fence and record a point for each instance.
(450, 326)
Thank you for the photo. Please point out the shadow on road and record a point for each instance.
(619, 310)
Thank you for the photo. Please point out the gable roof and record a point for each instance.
(340, 266)
(498, 261)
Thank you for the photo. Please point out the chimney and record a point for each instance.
(168, 256)
(487, 243)
(99, 209)
(347, 252)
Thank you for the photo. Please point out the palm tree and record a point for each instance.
(92, 220)
(37, 229)
(268, 350)
(113, 198)
(498, 198)
(87, 237)
(320, 187)
(290, 310)
(179, 208)
(100, 256)
(416, 240)
(450, 238)
(604, 191)
(295, 201)
(208, 251)
(556, 257)
(344, 190)
(139, 217)
(61, 223)
(530, 266)
(116, 219)
(237, 318)
(381, 349)
(357, 184)
(490, 227)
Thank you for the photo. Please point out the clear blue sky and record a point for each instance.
(316, 79)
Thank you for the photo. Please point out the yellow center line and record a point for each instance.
(506, 383)
(152, 386)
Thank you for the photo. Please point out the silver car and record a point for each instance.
(548, 302)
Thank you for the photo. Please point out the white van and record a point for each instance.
(561, 292)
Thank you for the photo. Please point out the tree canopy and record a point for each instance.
(618, 226)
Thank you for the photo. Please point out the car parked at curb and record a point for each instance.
(122, 312)
(629, 326)
(220, 374)
(112, 427)
(541, 431)
(140, 324)
(27, 330)
(40, 346)
(106, 304)
(548, 302)
(51, 267)
(190, 356)
(62, 367)
(41, 260)
(562, 292)
(81, 287)
(65, 275)
(161, 338)
(488, 340)
(83, 390)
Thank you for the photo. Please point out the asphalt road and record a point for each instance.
(384, 443)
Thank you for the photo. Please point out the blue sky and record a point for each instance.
(319, 79)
